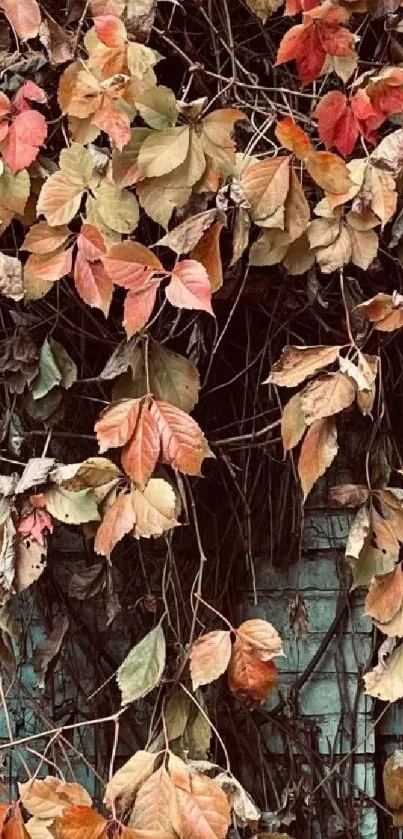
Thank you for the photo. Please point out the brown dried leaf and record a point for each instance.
(318, 451)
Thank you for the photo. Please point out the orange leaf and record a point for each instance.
(117, 424)
(26, 134)
(43, 239)
(154, 803)
(114, 121)
(118, 520)
(128, 262)
(110, 30)
(14, 827)
(209, 657)
(203, 812)
(140, 454)
(25, 17)
(139, 305)
(329, 171)
(79, 822)
(182, 441)
(4, 808)
(385, 596)
(293, 138)
(249, 678)
(318, 451)
(93, 283)
(207, 252)
(262, 637)
(79, 92)
(41, 271)
(189, 287)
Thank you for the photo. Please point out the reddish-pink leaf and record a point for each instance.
(117, 423)
(26, 134)
(128, 264)
(182, 441)
(110, 30)
(189, 287)
(35, 524)
(140, 454)
(250, 678)
(29, 92)
(93, 283)
(24, 16)
(139, 305)
(90, 242)
(5, 106)
(118, 520)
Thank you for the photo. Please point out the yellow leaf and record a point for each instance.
(118, 208)
(155, 509)
(163, 151)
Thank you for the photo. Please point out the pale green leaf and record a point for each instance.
(143, 667)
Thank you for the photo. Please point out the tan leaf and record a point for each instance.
(48, 798)
(385, 681)
(262, 637)
(184, 237)
(216, 140)
(209, 657)
(155, 509)
(59, 199)
(159, 198)
(264, 8)
(30, 562)
(266, 185)
(240, 802)
(41, 271)
(318, 451)
(327, 395)
(385, 596)
(182, 441)
(153, 806)
(293, 422)
(11, 283)
(352, 495)
(385, 310)
(163, 151)
(41, 238)
(297, 363)
(125, 783)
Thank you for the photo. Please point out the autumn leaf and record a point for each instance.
(125, 783)
(250, 678)
(318, 450)
(140, 454)
(216, 139)
(43, 239)
(117, 423)
(392, 777)
(117, 522)
(184, 237)
(264, 8)
(266, 185)
(293, 424)
(24, 17)
(189, 286)
(91, 279)
(26, 134)
(293, 138)
(297, 363)
(47, 798)
(329, 171)
(153, 805)
(385, 680)
(385, 596)
(156, 509)
(202, 809)
(79, 822)
(207, 252)
(384, 310)
(262, 637)
(321, 33)
(129, 263)
(163, 151)
(327, 395)
(183, 445)
(209, 657)
(143, 667)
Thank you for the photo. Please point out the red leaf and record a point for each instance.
(79, 822)
(337, 124)
(26, 134)
(5, 106)
(110, 30)
(189, 287)
(118, 520)
(321, 33)
(140, 454)
(24, 16)
(117, 423)
(139, 305)
(93, 284)
(182, 441)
